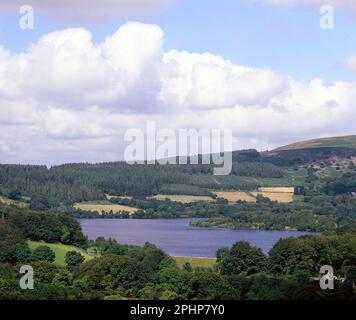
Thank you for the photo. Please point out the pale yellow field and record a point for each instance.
(234, 196)
(9, 202)
(104, 207)
(277, 189)
(182, 198)
(6, 201)
(195, 262)
(118, 197)
(282, 197)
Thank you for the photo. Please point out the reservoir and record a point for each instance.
(177, 238)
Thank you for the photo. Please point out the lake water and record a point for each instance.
(177, 238)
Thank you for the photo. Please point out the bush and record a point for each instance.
(43, 253)
(73, 260)
(13, 248)
(242, 257)
(15, 195)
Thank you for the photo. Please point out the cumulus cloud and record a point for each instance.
(209, 81)
(68, 98)
(88, 10)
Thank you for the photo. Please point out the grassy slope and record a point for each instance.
(196, 262)
(333, 142)
(60, 250)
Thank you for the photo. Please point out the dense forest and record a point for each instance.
(50, 187)
(290, 271)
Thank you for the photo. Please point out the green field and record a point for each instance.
(60, 250)
(196, 262)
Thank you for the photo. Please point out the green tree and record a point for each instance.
(109, 272)
(187, 267)
(65, 237)
(350, 276)
(173, 279)
(207, 285)
(43, 253)
(22, 252)
(148, 293)
(73, 260)
(242, 257)
(62, 279)
(15, 195)
(13, 248)
(169, 295)
(45, 271)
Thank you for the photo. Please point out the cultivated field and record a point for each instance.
(279, 194)
(182, 198)
(6, 201)
(234, 196)
(281, 197)
(196, 262)
(104, 207)
(9, 202)
(60, 250)
(109, 197)
(277, 189)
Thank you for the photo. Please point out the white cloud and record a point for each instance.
(18, 112)
(66, 68)
(69, 99)
(88, 10)
(208, 81)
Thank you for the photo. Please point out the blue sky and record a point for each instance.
(289, 40)
(262, 68)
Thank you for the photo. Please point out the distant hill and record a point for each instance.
(326, 151)
(333, 142)
(46, 188)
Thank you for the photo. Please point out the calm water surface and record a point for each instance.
(177, 238)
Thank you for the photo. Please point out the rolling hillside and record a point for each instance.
(60, 250)
(42, 188)
(332, 142)
(333, 151)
